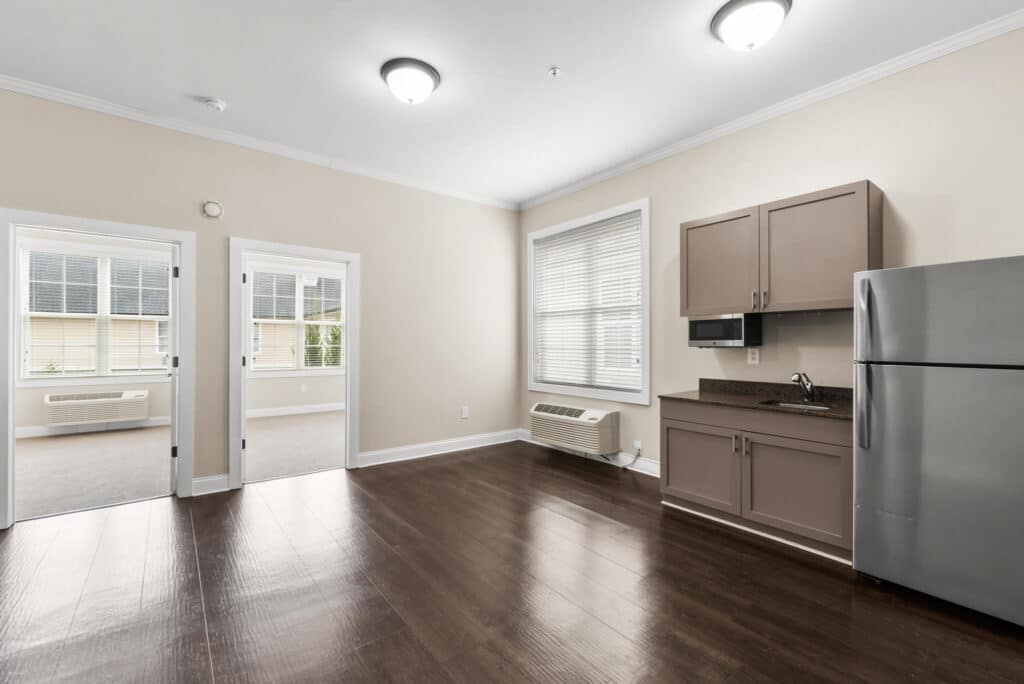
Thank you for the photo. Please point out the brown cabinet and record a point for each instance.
(796, 254)
(719, 262)
(702, 464)
(798, 486)
(783, 474)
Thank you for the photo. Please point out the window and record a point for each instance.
(588, 306)
(321, 313)
(61, 315)
(89, 316)
(298, 322)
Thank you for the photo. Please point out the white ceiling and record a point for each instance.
(636, 75)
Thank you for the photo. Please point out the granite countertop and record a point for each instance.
(749, 395)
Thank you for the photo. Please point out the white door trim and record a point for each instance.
(186, 243)
(237, 313)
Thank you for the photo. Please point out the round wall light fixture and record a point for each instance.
(748, 24)
(411, 80)
(211, 209)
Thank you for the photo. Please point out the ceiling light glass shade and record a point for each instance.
(748, 24)
(411, 80)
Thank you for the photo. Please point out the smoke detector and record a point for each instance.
(214, 103)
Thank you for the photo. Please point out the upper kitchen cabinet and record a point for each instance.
(812, 245)
(797, 254)
(718, 263)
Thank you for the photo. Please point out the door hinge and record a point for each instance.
(174, 452)
(243, 360)
(175, 272)
(243, 279)
(243, 445)
(174, 362)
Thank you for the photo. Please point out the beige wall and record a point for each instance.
(945, 143)
(440, 278)
(289, 392)
(30, 411)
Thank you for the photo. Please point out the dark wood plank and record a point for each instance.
(509, 563)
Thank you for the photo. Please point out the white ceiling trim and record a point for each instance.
(957, 41)
(74, 99)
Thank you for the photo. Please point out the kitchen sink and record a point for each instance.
(796, 405)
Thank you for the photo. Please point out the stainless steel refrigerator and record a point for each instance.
(939, 431)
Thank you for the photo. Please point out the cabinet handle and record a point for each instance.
(753, 300)
(764, 299)
(734, 444)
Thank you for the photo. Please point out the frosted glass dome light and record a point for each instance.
(412, 81)
(748, 24)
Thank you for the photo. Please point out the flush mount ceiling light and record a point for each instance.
(748, 24)
(411, 80)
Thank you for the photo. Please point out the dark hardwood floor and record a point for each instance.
(508, 563)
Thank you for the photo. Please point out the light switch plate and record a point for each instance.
(465, 412)
(753, 356)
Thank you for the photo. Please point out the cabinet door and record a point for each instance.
(701, 463)
(801, 487)
(718, 264)
(811, 246)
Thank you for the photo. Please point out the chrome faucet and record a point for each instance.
(806, 386)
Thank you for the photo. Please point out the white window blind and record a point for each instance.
(298, 321)
(94, 315)
(588, 306)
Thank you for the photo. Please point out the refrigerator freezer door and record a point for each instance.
(939, 483)
(969, 313)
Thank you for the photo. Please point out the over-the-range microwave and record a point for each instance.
(726, 330)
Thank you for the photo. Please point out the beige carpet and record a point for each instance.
(292, 445)
(70, 472)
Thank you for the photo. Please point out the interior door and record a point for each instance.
(811, 246)
(173, 365)
(939, 474)
(718, 264)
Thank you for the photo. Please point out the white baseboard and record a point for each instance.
(444, 446)
(644, 466)
(294, 410)
(28, 431)
(759, 533)
(210, 484)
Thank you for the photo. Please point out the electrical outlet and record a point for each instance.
(753, 356)
(637, 444)
(303, 387)
(465, 412)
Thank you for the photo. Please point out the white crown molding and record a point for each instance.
(18, 85)
(940, 48)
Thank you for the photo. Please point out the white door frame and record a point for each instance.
(186, 244)
(237, 313)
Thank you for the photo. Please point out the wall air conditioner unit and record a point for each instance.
(65, 410)
(590, 431)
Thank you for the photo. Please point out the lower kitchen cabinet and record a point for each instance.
(702, 464)
(798, 486)
(787, 475)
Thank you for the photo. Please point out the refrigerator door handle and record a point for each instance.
(863, 320)
(863, 416)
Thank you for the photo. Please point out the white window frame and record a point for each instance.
(103, 375)
(644, 395)
(268, 264)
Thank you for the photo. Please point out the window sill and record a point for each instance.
(294, 373)
(642, 397)
(89, 381)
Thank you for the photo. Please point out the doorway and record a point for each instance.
(294, 313)
(97, 402)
